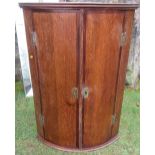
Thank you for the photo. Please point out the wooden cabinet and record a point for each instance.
(78, 56)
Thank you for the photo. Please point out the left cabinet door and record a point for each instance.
(57, 60)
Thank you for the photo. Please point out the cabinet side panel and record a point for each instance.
(122, 70)
(103, 31)
(33, 68)
(57, 59)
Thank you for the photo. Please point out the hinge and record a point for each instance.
(34, 38)
(41, 119)
(123, 39)
(113, 119)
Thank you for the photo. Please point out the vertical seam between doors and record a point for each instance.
(84, 62)
(81, 74)
(77, 74)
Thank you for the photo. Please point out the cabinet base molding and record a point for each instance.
(61, 148)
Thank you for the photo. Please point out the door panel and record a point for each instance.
(57, 65)
(103, 31)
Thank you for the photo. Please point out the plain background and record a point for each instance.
(7, 77)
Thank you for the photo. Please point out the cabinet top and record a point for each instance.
(77, 5)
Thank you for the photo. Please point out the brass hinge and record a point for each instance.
(34, 38)
(113, 119)
(123, 39)
(41, 119)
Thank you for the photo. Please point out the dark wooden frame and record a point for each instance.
(54, 146)
(77, 5)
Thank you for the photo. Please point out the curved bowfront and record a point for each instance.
(78, 57)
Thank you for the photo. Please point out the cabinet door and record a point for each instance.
(56, 50)
(102, 51)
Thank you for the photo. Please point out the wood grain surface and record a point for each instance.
(128, 23)
(34, 69)
(103, 31)
(57, 59)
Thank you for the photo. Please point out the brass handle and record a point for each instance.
(85, 92)
(75, 92)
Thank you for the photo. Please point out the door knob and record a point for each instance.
(75, 92)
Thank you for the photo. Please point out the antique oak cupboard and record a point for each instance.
(78, 55)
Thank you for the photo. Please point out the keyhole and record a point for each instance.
(85, 92)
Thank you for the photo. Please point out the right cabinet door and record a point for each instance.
(101, 60)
